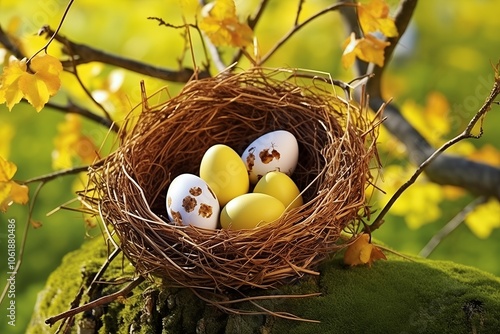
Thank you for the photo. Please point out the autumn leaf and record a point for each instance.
(221, 24)
(374, 17)
(362, 251)
(484, 219)
(36, 83)
(368, 48)
(10, 191)
(70, 143)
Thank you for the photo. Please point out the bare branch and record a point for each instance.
(85, 54)
(488, 188)
(98, 302)
(478, 178)
(54, 175)
(450, 227)
(72, 108)
(299, 26)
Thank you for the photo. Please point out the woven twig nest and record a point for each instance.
(335, 148)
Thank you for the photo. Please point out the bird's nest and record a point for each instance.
(336, 146)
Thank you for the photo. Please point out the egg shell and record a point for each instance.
(250, 210)
(273, 151)
(280, 186)
(190, 201)
(224, 171)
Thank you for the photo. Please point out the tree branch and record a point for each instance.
(445, 169)
(85, 54)
(70, 107)
(9, 45)
(490, 187)
(299, 26)
(450, 227)
(98, 302)
(402, 18)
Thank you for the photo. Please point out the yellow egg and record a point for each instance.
(280, 186)
(250, 210)
(224, 171)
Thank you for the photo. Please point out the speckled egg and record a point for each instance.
(273, 151)
(190, 201)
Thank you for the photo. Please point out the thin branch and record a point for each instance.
(74, 71)
(299, 10)
(24, 239)
(55, 175)
(73, 108)
(98, 302)
(298, 27)
(450, 227)
(467, 133)
(46, 46)
(67, 322)
(479, 178)
(86, 54)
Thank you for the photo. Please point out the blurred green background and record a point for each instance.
(449, 49)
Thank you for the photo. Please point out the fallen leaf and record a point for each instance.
(362, 251)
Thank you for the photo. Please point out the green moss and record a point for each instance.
(392, 296)
(400, 296)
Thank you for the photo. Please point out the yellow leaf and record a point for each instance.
(9, 90)
(71, 143)
(419, 204)
(36, 85)
(19, 193)
(361, 251)
(35, 91)
(484, 218)
(221, 24)
(7, 170)
(368, 48)
(10, 191)
(189, 7)
(374, 17)
(5, 200)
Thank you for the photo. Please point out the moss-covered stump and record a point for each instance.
(394, 296)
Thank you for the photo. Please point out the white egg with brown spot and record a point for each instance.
(190, 201)
(276, 151)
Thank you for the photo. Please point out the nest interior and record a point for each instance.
(234, 109)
